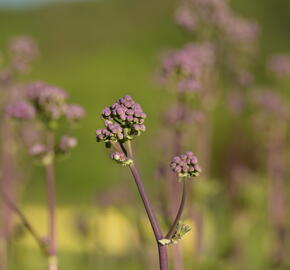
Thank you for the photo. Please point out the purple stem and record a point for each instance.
(162, 250)
(23, 219)
(179, 212)
(277, 197)
(8, 169)
(50, 178)
(163, 261)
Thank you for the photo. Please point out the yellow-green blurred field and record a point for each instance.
(107, 232)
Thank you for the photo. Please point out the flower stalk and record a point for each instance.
(162, 250)
(6, 199)
(179, 212)
(47, 105)
(124, 120)
(51, 196)
(163, 261)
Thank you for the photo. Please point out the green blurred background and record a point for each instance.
(99, 51)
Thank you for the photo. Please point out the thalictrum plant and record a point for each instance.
(124, 122)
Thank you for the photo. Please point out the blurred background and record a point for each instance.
(102, 50)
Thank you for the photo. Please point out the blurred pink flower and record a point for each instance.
(185, 19)
(24, 51)
(20, 110)
(74, 112)
(279, 64)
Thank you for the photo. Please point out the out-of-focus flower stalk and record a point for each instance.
(8, 179)
(49, 104)
(9, 203)
(22, 51)
(204, 144)
(273, 117)
(191, 70)
(51, 204)
(276, 165)
(23, 104)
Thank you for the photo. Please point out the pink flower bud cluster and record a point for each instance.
(123, 121)
(23, 51)
(48, 100)
(38, 149)
(218, 16)
(51, 102)
(111, 133)
(272, 103)
(74, 112)
(185, 19)
(20, 110)
(185, 165)
(121, 158)
(187, 65)
(67, 143)
(279, 65)
(181, 115)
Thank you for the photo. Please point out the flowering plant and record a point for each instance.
(46, 107)
(124, 121)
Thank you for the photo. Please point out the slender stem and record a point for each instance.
(153, 220)
(276, 164)
(130, 150)
(162, 250)
(51, 196)
(24, 220)
(124, 149)
(179, 212)
(9, 172)
(116, 147)
(163, 258)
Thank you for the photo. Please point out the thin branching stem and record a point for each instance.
(179, 212)
(124, 150)
(116, 147)
(162, 250)
(7, 200)
(130, 150)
